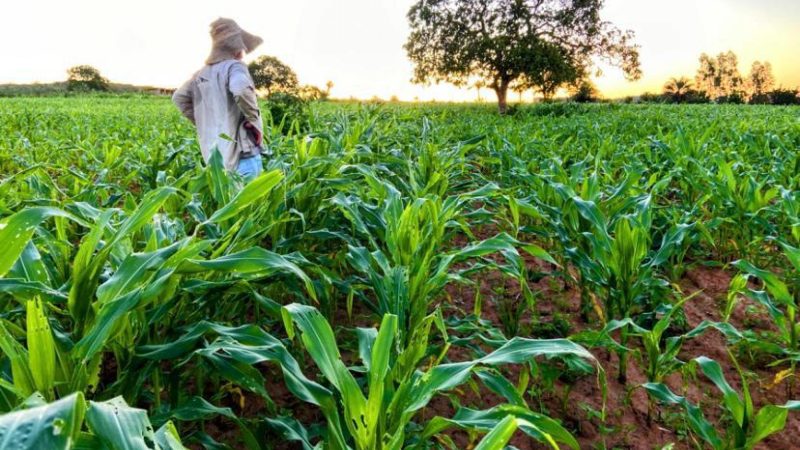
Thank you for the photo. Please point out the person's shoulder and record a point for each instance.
(229, 64)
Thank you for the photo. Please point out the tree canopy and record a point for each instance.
(272, 75)
(85, 78)
(760, 82)
(719, 77)
(543, 44)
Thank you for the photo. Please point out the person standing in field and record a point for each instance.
(220, 100)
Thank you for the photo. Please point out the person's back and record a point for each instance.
(220, 100)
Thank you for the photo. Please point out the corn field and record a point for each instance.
(429, 276)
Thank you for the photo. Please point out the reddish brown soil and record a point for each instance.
(577, 403)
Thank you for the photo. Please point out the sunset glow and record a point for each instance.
(358, 43)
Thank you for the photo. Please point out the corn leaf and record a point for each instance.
(41, 349)
(16, 231)
(253, 191)
(51, 426)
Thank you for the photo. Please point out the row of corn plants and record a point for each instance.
(150, 301)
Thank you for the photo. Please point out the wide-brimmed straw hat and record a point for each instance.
(228, 39)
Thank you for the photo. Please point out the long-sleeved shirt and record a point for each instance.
(219, 99)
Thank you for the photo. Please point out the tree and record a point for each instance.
(328, 87)
(272, 75)
(504, 41)
(760, 82)
(311, 93)
(585, 92)
(678, 89)
(85, 78)
(719, 77)
(556, 70)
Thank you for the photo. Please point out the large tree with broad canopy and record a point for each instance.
(542, 44)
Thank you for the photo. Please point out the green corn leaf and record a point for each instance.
(292, 430)
(792, 254)
(253, 262)
(41, 349)
(535, 425)
(318, 339)
(520, 350)
(697, 421)
(196, 408)
(775, 286)
(52, 426)
(22, 289)
(30, 266)
(366, 340)
(167, 438)
(500, 385)
(119, 426)
(500, 435)
(24, 383)
(134, 271)
(16, 231)
(252, 192)
(249, 345)
(111, 315)
(147, 208)
(733, 402)
(770, 419)
(86, 270)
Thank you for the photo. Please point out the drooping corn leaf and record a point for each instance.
(252, 192)
(697, 421)
(253, 262)
(16, 231)
(24, 383)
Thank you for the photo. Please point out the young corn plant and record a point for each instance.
(619, 264)
(413, 266)
(746, 427)
(741, 199)
(780, 296)
(115, 295)
(370, 406)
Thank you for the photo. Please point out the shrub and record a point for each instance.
(649, 97)
(286, 109)
(783, 96)
(86, 78)
(585, 92)
(736, 98)
(696, 97)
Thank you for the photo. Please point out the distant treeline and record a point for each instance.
(61, 89)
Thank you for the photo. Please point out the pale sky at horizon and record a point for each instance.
(358, 43)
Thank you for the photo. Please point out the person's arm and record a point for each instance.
(244, 93)
(184, 101)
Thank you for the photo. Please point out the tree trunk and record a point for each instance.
(502, 96)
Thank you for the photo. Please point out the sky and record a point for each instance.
(358, 44)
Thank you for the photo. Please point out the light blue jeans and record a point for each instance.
(250, 168)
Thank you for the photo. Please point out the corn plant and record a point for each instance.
(408, 272)
(396, 388)
(73, 423)
(779, 295)
(746, 426)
